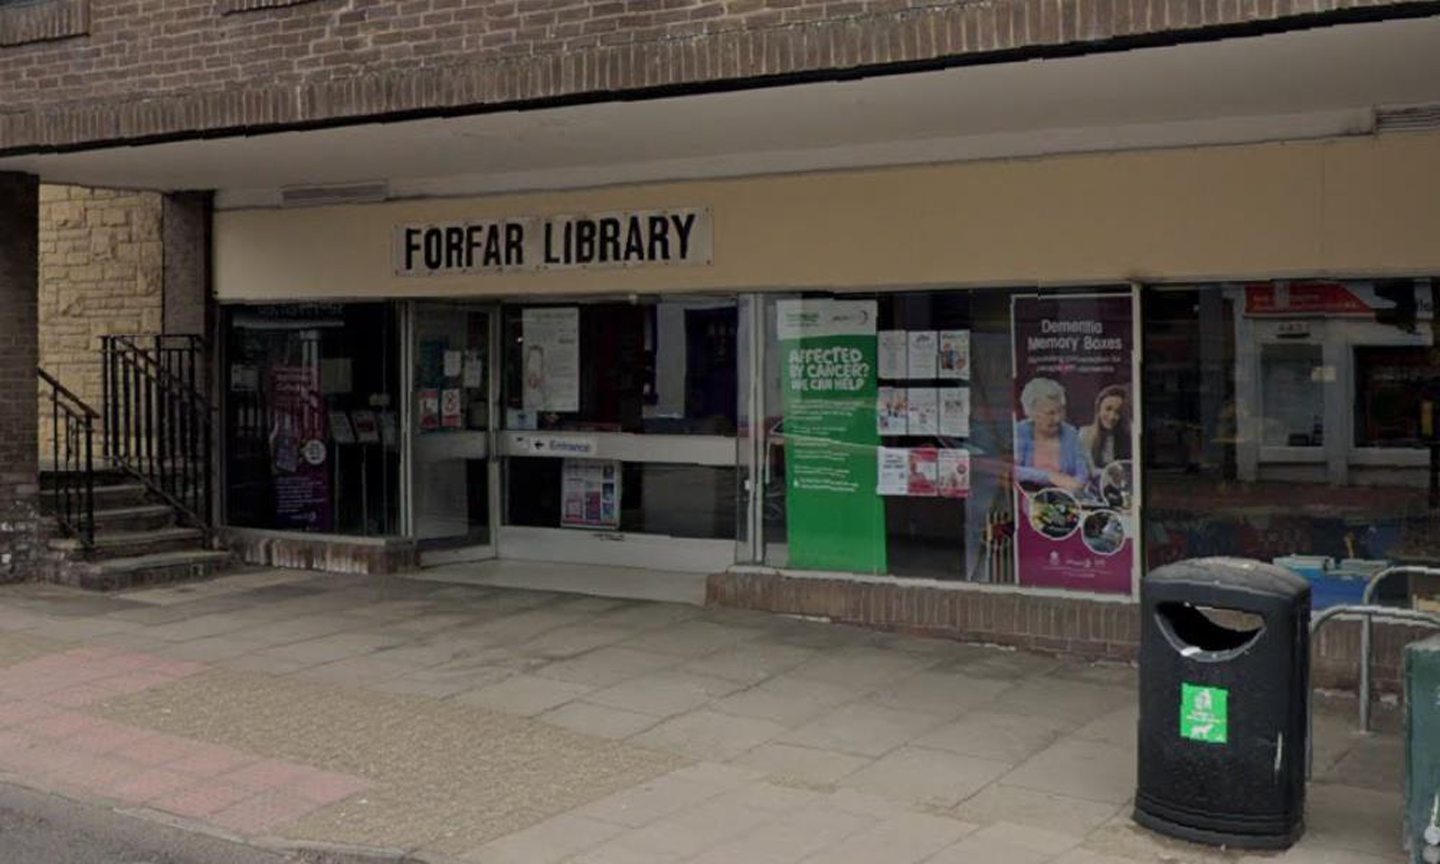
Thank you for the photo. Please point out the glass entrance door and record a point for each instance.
(620, 432)
(451, 414)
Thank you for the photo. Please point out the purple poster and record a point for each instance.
(299, 449)
(1074, 441)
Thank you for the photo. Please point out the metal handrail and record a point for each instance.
(73, 493)
(1368, 599)
(1367, 613)
(158, 425)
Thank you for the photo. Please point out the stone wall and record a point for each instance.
(101, 272)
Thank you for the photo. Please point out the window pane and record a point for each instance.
(696, 501)
(661, 367)
(1393, 386)
(312, 440)
(1224, 385)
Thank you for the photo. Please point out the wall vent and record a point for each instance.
(1412, 118)
(318, 196)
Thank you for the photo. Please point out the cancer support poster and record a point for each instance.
(829, 391)
(1074, 438)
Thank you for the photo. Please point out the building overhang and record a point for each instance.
(1316, 83)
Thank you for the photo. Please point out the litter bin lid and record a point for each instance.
(1245, 574)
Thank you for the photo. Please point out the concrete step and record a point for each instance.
(140, 517)
(154, 569)
(110, 545)
(127, 494)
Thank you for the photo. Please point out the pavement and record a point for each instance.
(397, 717)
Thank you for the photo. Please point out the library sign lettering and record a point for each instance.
(625, 239)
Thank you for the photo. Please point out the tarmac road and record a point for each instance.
(36, 828)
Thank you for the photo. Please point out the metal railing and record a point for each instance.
(72, 453)
(158, 424)
(1367, 612)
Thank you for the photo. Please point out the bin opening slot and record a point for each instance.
(1208, 628)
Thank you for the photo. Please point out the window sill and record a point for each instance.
(43, 21)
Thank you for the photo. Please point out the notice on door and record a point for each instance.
(829, 392)
(551, 342)
(590, 493)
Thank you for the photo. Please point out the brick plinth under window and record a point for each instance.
(1075, 626)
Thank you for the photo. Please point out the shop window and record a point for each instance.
(977, 435)
(1238, 376)
(1396, 390)
(311, 430)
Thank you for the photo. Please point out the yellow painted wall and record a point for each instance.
(1361, 206)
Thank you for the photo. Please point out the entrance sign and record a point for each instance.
(836, 521)
(1074, 441)
(620, 239)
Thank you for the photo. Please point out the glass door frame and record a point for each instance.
(409, 357)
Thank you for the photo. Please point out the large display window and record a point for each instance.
(1293, 421)
(973, 435)
(312, 437)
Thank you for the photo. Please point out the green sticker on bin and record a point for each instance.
(1204, 713)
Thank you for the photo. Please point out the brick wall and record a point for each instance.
(19, 228)
(139, 68)
(1063, 625)
(101, 272)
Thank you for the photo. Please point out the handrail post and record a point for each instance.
(89, 523)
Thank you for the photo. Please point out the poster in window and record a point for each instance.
(590, 493)
(367, 427)
(829, 392)
(924, 473)
(551, 359)
(429, 409)
(923, 354)
(452, 411)
(955, 412)
(1073, 442)
(891, 410)
(953, 470)
(474, 376)
(923, 411)
(298, 418)
(892, 471)
(891, 354)
(340, 429)
(954, 354)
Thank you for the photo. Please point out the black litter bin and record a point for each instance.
(1224, 676)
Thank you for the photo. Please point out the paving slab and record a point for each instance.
(487, 723)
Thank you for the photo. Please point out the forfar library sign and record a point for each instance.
(623, 239)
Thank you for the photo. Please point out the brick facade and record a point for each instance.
(156, 68)
(19, 353)
(101, 272)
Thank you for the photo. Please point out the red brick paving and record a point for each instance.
(41, 734)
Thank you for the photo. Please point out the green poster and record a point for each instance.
(827, 365)
(1204, 713)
